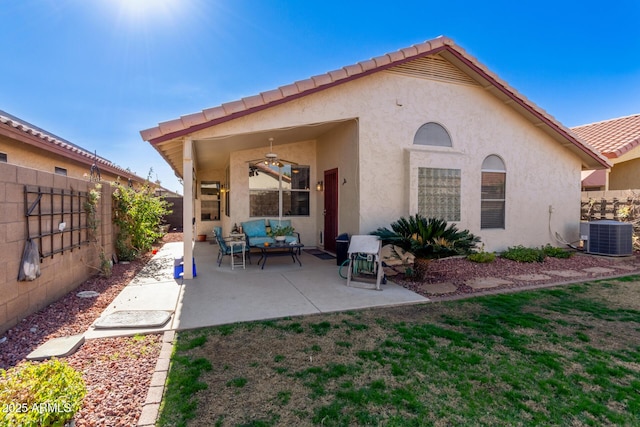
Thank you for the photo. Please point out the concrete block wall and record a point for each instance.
(60, 273)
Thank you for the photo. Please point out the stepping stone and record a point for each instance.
(87, 294)
(625, 267)
(566, 273)
(531, 277)
(438, 288)
(598, 270)
(57, 347)
(487, 282)
(133, 319)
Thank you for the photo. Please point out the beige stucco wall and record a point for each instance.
(23, 154)
(60, 273)
(625, 175)
(390, 108)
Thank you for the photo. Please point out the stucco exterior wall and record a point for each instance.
(22, 154)
(625, 175)
(390, 108)
(61, 273)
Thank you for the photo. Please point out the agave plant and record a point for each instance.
(428, 237)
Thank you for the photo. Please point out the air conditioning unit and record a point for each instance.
(606, 237)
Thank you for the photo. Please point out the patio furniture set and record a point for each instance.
(256, 235)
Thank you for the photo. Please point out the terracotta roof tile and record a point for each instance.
(338, 74)
(612, 137)
(272, 96)
(322, 79)
(304, 85)
(233, 107)
(214, 113)
(194, 119)
(171, 125)
(253, 101)
(289, 90)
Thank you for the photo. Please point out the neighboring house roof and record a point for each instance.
(613, 137)
(444, 46)
(24, 131)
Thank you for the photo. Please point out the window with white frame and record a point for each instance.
(432, 134)
(493, 192)
(278, 191)
(439, 193)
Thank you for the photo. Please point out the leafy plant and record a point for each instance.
(281, 231)
(521, 254)
(428, 237)
(482, 257)
(138, 215)
(40, 394)
(554, 252)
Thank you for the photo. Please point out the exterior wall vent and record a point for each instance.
(606, 237)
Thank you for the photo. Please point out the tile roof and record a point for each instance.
(53, 142)
(187, 124)
(612, 137)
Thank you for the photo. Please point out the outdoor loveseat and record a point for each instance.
(257, 231)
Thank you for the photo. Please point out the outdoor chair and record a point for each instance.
(225, 249)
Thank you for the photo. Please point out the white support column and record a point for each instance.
(187, 211)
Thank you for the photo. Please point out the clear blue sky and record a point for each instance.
(96, 72)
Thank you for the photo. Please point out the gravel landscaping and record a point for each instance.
(117, 371)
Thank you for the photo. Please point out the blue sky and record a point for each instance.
(96, 72)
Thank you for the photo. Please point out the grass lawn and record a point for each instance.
(562, 356)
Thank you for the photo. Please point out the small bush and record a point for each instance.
(522, 254)
(482, 257)
(552, 251)
(40, 394)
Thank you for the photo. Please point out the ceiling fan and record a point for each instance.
(270, 159)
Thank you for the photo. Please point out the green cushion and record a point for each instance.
(255, 228)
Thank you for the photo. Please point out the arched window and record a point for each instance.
(432, 134)
(494, 176)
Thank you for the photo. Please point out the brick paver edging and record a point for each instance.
(151, 406)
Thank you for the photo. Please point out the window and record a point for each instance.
(494, 175)
(439, 193)
(275, 191)
(3, 157)
(210, 200)
(432, 134)
(60, 171)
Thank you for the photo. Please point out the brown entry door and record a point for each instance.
(330, 209)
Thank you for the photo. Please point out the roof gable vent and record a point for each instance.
(435, 68)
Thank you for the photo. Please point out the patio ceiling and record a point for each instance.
(213, 153)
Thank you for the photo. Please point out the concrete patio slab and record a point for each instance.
(219, 295)
(57, 347)
(487, 282)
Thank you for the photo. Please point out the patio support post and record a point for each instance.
(187, 222)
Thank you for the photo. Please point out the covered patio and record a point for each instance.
(220, 295)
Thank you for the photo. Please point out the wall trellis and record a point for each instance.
(53, 212)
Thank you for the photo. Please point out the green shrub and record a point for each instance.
(522, 254)
(552, 251)
(428, 237)
(40, 394)
(138, 215)
(482, 257)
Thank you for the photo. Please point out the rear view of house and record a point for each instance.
(426, 129)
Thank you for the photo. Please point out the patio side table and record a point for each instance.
(242, 245)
